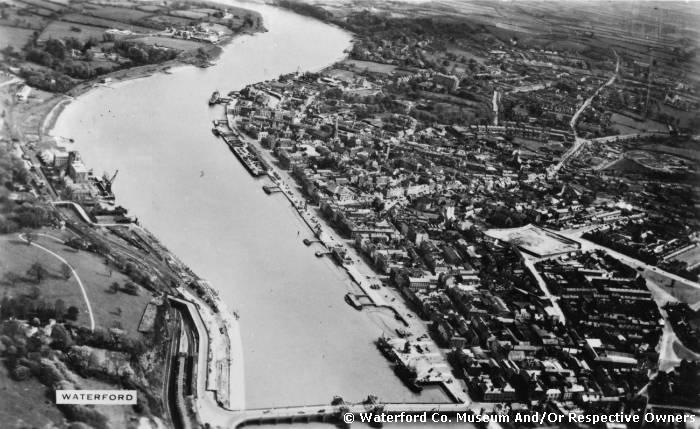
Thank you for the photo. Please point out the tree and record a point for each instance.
(72, 313)
(37, 271)
(12, 278)
(59, 308)
(30, 237)
(62, 340)
(114, 287)
(21, 373)
(131, 289)
(66, 270)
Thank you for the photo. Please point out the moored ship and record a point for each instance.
(214, 98)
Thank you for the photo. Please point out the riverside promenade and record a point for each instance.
(360, 274)
(221, 361)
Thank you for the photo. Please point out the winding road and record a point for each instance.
(580, 142)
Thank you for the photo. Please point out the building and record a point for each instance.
(23, 93)
(76, 169)
(450, 82)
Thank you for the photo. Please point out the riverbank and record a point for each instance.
(363, 276)
(213, 52)
(293, 315)
(225, 368)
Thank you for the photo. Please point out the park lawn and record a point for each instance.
(17, 256)
(25, 404)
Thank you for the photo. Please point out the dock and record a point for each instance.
(271, 189)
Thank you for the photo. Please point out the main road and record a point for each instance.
(580, 142)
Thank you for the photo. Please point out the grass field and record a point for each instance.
(169, 42)
(24, 404)
(54, 7)
(189, 14)
(15, 37)
(689, 153)
(119, 13)
(14, 19)
(690, 257)
(682, 292)
(16, 256)
(372, 66)
(627, 125)
(170, 20)
(63, 30)
(149, 8)
(106, 23)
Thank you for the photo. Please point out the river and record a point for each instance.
(302, 344)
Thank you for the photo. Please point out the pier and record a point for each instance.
(271, 189)
(309, 242)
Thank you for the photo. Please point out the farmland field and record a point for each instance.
(106, 23)
(119, 14)
(63, 30)
(149, 8)
(14, 19)
(689, 153)
(372, 66)
(170, 20)
(189, 14)
(627, 125)
(44, 4)
(15, 37)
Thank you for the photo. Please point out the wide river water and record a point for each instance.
(302, 343)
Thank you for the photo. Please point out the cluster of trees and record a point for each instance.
(140, 53)
(30, 306)
(607, 240)
(14, 175)
(678, 387)
(57, 54)
(128, 288)
(48, 80)
(685, 321)
(306, 9)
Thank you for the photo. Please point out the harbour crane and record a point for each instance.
(108, 181)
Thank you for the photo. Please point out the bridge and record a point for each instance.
(335, 413)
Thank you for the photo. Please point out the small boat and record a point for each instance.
(353, 301)
(214, 98)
